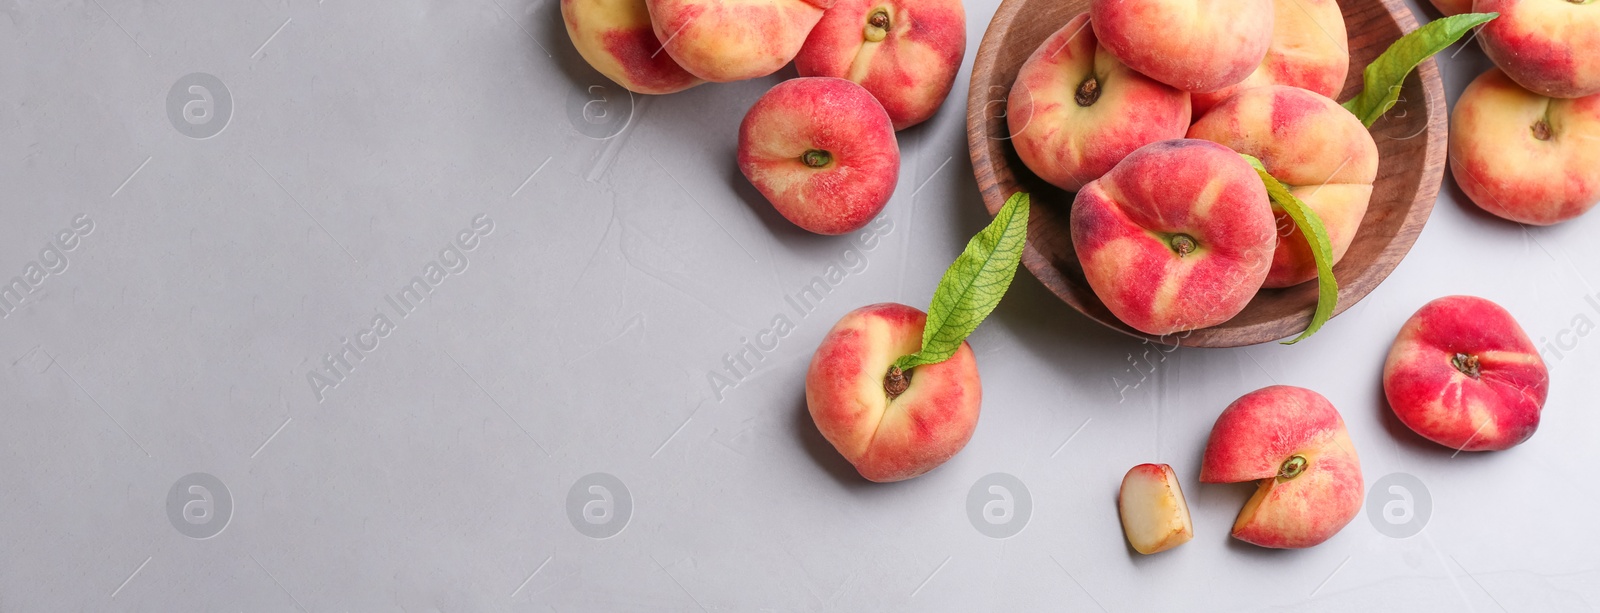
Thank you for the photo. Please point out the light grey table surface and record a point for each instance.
(164, 446)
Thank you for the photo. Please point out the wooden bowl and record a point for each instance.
(1411, 141)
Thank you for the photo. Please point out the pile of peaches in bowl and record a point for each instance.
(1064, 92)
(1129, 115)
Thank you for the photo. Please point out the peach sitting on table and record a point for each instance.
(905, 53)
(616, 38)
(1293, 443)
(1463, 374)
(891, 427)
(733, 40)
(1525, 157)
(1550, 47)
(823, 153)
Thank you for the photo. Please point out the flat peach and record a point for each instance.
(1178, 236)
(1549, 47)
(1294, 444)
(1463, 374)
(822, 151)
(1316, 148)
(616, 38)
(906, 53)
(733, 40)
(1075, 111)
(1193, 45)
(890, 436)
(1525, 157)
(1309, 50)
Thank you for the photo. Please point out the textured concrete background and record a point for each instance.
(214, 197)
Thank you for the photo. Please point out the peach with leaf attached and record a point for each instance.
(896, 390)
(1316, 148)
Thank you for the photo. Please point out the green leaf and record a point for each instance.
(1383, 77)
(973, 285)
(1321, 248)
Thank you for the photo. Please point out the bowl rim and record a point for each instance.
(991, 176)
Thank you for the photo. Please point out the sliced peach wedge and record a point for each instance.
(1155, 516)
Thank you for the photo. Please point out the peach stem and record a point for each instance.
(1467, 364)
(896, 382)
(877, 26)
(1088, 92)
(816, 158)
(1183, 244)
(1292, 467)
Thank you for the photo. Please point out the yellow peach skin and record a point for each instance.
(1309, 50)
(1315, 147)
(1193, 45)
(1525, 157)
(732, 40)
(1463, 374)
(616, 38)
(1075, 111)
